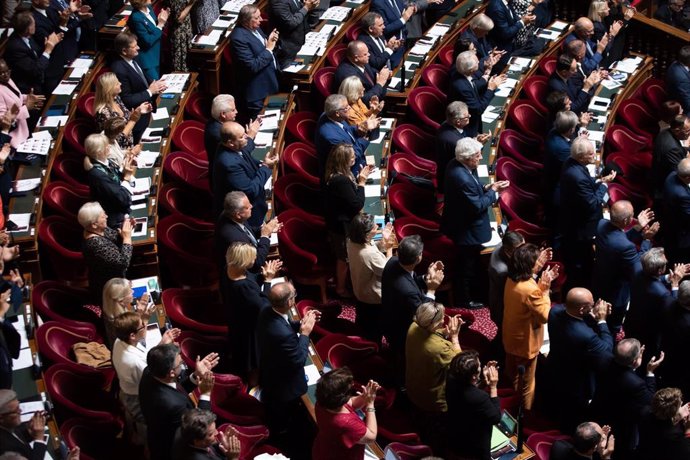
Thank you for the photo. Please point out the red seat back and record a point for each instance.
(55, 301)
(189, 137)
(292, 191)
(187, 168)
(547, 66)
(61, 240)
(537, 88)
(429, 105)
(527, 118)
(76, 132)
(437, 75)
(177, 199)
(80, 393)
(96, 439)
(70, 168)
(85, 106)
(653, 91)
(336, 54)
(302, 126)
(445, 57)
(303, 244)
(637, 116)
(414, 140)
(301, 159)
(620, 138)
(55, 341)
(64, 199)
(323, 80)
(519, 175)
(187, 250)
(198, 107)
(526, 150)
(196, 309)
(353, 32)
(408, 200)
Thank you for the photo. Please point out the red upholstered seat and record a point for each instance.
(414, 140)
(292, 191)
(637, 115)
(100, 72)
(186, 248)
(437, 75)
(360, 355)
(70, 168)
(96, 439)
(197, 309)
(81, 393)
(76, 132)
(653, 91)
(175, 198)
(445, 57)
(620, 138)
(252, 440)
(188, 169)
(189, 137)
(404, 164)
(61, 242)
(336, 54)
(54, 301)
(429, 106)
(323, 80)
(527, 150)
(519, 175)
(301, 158)
(532, 233)
(547, 66)
(408, 452)
(634, 170)
(193, 344)
(619, 192)
(198, 107)
(408, 200)
(520, 206)
(64, 199)
(55, 341)
(537, 88)
(230, 403)
(85, 107)
(541, 443)
(353, 32)
(302, 126)
(525, 117)
(437, 246)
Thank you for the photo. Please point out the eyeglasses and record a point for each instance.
(438, 315)
(344, 109)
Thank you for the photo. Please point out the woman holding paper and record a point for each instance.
(107, 104)
(353, 89)
(10, 96)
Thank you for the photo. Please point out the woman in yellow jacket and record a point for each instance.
(353, 89)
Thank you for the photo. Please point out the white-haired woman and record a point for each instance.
(353, 89)
(118, 298)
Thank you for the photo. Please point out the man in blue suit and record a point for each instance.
(222, 109)
(476, 92)
(676, 219)
(401, 18)
(236, 169)
(252, 54)
(564, 79)
(581, 347)
(617, 259)
(356, 63)
(382, 53)
(507, 23)
(333, 129)
(556, 152)
(476, 33)
(581, 198)
(676, 341)
(465, 217)
(584, 30)
(284, 347)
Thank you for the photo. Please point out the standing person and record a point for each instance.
(676, 218)
(180, 32)
(356, 63)
(342, 434)
(382, 52)
(676, 339)
(204, 13)
(292, 20)
(222, 109)
(25, 439)
(11, 97)
(107, 104)
(498, 274)
(663, 431)
(149, 29)
(678, 79)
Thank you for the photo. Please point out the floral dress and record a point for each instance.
(106, 113)
(181, 33)
(520, 8)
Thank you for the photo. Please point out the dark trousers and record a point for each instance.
(291, 428)
(466, 280)
(369, 319)
(578, 258)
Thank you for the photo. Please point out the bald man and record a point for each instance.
(617, 260)
(357, 64)
(581, 347)
(235, 169)
(584, 30)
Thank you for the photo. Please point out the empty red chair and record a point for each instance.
(360, 355)
(197, 309)
(401, 165)
(76, 132)
(189, 137)
(532, 233)
(55, 341)
(231, 403)
(519, 175)
(397, 425)
(528, 151)
(445, 57)
(70, 168)
(97, 439)
(537, 88)
(414, 140)
(85, 106)
(407, 452)
(635, 114)
(64, 199)
(634, 170)
(198, 107)
(193, 344)
(292, 191)
(547, 66)
(83, 393)
(61, 242)
(188, 169)
(519, 206)
(54, 301)
(336, 54)
(437, 75)
(429, 105)
(301, 159)
(619, 192)
(620, 138)
(408, 200)
(302, 126)
(353, 32)
(304, 249)
(323, 80)
(541, 443)
(528, 119)
(437, 246)
(175, 198)
(330, 322)
(653, 92)
(186, 248)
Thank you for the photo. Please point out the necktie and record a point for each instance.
(379, 43)
(263, 41)
(28, 43)
(349, 134)
(589, 49)
(297, 4)
(394, 4)
(140, 72)
(510, 12)
(368, 77)
(250, 235)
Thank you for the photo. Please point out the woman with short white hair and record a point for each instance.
(353, 89)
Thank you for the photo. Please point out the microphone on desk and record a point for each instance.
(402, 78)
(520, 433)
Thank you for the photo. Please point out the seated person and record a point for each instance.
(353, 90)
(508, 24)
(477, 34)
(589, 439)
(672, 13)
(563, 79)
(198, 438)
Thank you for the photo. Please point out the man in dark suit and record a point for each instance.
(474, 91)
(581, 200)
(584, 30)
(465, 217)
(382, 53)
(579, 90)
(678, 79)
(676, 341)
(332, 129)
(589, 439)
(507, 23)
(136, 87)
(25, 439)
(556, 152)
(284, 347)
(291, 18)
(671, 13)
(651, 299)
(163, 403)
(668, 151)
(579, 351)
(622, 397)
(477, 33)
(9, 337)
(236, 169)
(222, 109)
(356, 63)
(401, 18)
(252, 54)
(197, 438)
(617, 260)
(676, 218)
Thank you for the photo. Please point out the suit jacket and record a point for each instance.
(578, 352)
(617, 262)
(183, 451)
(368, 79)
(564, 450)
(556, 152)
(149, 41)
(465, 217)
(401, 294)
(28, 66)
(678, 84)
(9, 349)
(447, 137)
(581, 201)
(212, 144)
(163, 407)
(677, 212)
(9, 443)
(229, 232)
(329, 134)
(379, 58)
(134, 92)
(283, 354)
(526, 310)
(592, 57)
(240, 171)
(670, 17)
(293, 25)
(391, 17)
(9, 96)
(579, 100)
(113, 197)
(254, 65)
(477, 98)
(506, 24)
(662, 439)
(675, 343)
(668, 151)
(64, 52)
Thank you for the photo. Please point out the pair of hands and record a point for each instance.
(272, 226)
(648, 229)
(375, 105)
(272, 40)
(601, 310)
(383, 76)
(6, 124)
(308, 321)
(52, 41)
(157, 87)
(203, 372)
(496, 81)
(270, 269)
(434, 275)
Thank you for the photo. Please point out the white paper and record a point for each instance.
(269, 183)
(160, 114)
(153, 336)
(269, 122)
(53, 121)
(371, 191)
(176, 81)
(42, 135)
(81, 62)
(146, 159)
(495, 237)
(509, 83)
(596, 136)
(221, 23)
(22, 221)
(558, 25)
(336, 13)
(375, 175)
(212, 38)
(628, 65)
(295, 67)
(263, 139)
(78, 72)
(235, 5)
(274, 239)
(420, 50)
(24, 361)
(312, 374)
(600, 104)
(610, 84)
(438, 30)
(142, 186)
(308, 50)
(394, 84)
(65, 88)
(483, 171)
(387, 123)
(24, 185)
(35, 145)
(489, 117)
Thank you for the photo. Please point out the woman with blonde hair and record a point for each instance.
(112, 129)
(107, 104)
(244, 301)
(118, 298)
(353, 89)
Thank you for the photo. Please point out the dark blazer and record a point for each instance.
(229, 232)
(344, 200)
(578, 352)
(283, 355)
(556, 152)
(240, 171)
(661, 439)
(579, 100)
(473, 413)
(675, 343)
(378, 58)
(477, 98)
(592, 59)
(391, 17)
(368, 79)
(482, 45)
(670, 17)
(678, 84)
(292, 23)
(134, 92)
(447, 137)
(211, 144)
(564, 450)
(68, 48)
(149, 41)
(183, 451)
(581, 201)
(677, 212)
(113, 197)
(9, 443)
(465, 217)
(401, 294)
(28, 65)
(254, 65)
(163, 407)
(9, 349)
(617, 262)
(506, 24)
(329, 134)
(668, 151)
